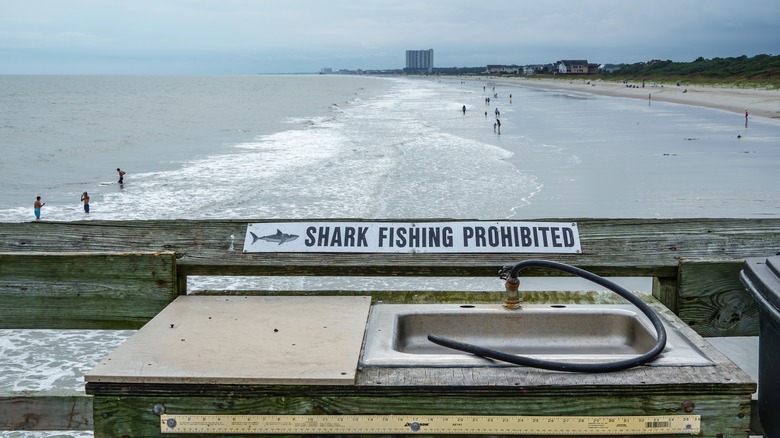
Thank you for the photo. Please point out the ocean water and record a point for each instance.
(320, 146)
(300, 146)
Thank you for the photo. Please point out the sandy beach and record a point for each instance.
(758, 102)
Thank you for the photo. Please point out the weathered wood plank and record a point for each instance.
(713, 301)
(48, 410)
(84, 290)
(618, 247)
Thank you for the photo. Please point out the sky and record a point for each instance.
(304, 36)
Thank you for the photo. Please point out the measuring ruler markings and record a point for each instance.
(452, 424)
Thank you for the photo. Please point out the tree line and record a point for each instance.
(759, 69)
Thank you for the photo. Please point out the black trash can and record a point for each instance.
(762, 278)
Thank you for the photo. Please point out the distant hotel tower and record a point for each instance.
(419, 61)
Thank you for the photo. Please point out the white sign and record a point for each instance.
(413, 237)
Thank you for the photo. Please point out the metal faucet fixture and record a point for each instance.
(512, 300)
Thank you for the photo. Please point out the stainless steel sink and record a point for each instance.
(397, 334)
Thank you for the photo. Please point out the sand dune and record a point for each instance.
(758, 102)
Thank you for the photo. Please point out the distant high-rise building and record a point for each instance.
(419, 61)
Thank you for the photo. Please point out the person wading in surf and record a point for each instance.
(85, 200)
(37, 207)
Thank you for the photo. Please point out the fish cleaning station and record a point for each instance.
(387, 362)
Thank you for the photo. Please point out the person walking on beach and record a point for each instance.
(37, 207)
(121, 175)
(464, 109)
(498, 113)
(85, 200)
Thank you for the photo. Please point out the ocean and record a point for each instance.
(337, 146)
(333, 146)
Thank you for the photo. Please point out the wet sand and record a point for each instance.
(759, 102)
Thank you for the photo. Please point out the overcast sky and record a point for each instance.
(286, 36)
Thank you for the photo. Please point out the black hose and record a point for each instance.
(562, 366)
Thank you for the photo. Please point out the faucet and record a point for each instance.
(512, 300)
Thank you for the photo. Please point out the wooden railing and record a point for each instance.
(119, 275)
(79, 270)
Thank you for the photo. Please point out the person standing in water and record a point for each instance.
(121, 175)
(37, 207)
(85, 200)
(464, 109)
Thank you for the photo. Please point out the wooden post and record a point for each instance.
(665, 291)
(713, 301)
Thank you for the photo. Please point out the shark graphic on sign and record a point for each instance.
(279, 237)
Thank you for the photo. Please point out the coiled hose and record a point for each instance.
(563, 366)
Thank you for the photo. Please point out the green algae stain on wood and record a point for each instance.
(84, 290)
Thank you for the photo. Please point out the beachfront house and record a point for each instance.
(576, 67)
(571, 67)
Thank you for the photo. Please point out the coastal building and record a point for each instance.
(568, 66)
(529, 70)
(576, 67)
(419, 61)
(503, 69)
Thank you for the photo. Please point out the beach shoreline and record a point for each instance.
(758, 102)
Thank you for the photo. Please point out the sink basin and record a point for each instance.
(397, 334)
